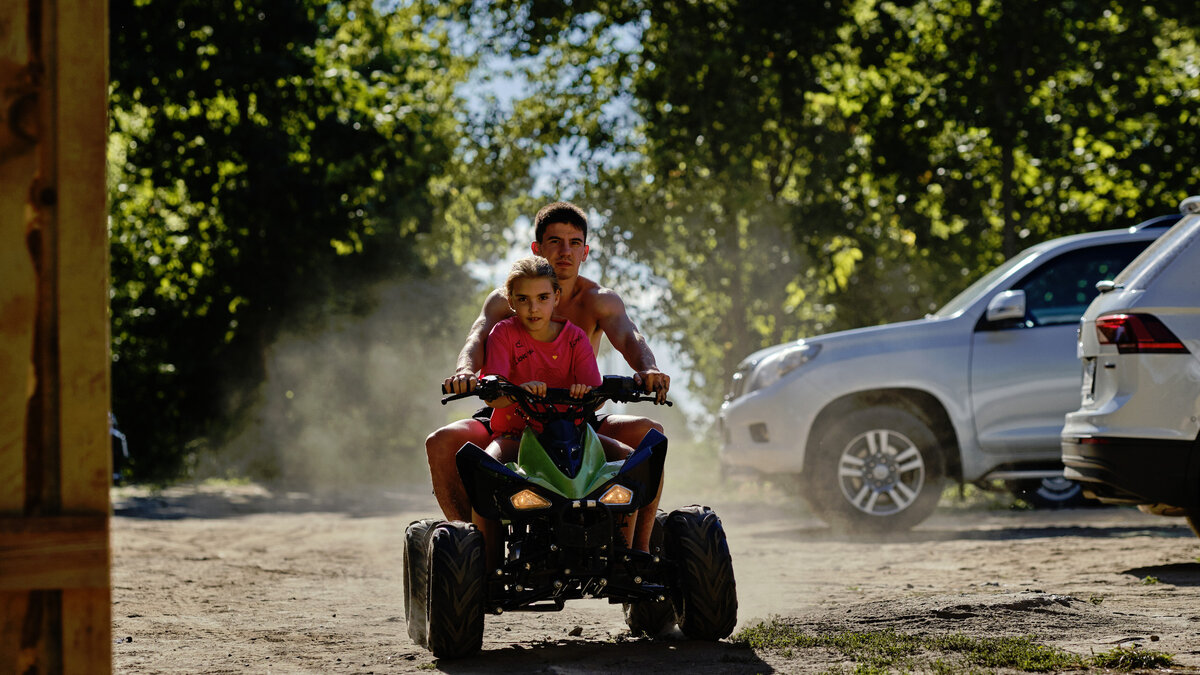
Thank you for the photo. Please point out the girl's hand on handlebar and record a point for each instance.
(534, 387)
(578, 390)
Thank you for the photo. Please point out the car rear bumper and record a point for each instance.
(1135, 470)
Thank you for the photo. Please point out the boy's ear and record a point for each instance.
(537, 250)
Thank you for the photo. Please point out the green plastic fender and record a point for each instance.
(536, 466)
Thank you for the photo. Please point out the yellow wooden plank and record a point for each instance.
(17, 279)
(81, 126)
(14, 606)
(54, 552)
(87, 627)
(43, 629)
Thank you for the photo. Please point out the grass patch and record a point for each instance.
(889, 651)
(1021, 653)
(1132, 658)
(971, 497)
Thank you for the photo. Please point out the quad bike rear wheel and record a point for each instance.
(416, 578)
(651, 617)
(705, 594)
(457, 590)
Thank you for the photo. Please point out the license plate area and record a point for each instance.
(1088, 390)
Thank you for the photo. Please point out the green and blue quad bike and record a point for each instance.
(560, 506)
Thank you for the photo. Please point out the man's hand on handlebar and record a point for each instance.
(654, 381)
(460, 383)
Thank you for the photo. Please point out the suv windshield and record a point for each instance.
(964, 299)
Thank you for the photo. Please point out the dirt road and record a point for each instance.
(222, 579)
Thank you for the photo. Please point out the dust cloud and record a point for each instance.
(346, 405)
(350, 402)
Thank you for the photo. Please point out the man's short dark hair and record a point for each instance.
(559, 212)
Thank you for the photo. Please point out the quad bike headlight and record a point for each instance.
(528, 500)
(617, 495)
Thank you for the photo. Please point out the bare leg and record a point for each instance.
(504, 450)
(440, 448)
(614, 451)
(490, 529)
(630, 431)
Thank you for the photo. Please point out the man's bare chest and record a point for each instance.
(586, 320)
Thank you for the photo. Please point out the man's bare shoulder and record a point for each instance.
(600, 299)
(496, 307)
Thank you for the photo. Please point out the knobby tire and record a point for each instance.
(706, 599)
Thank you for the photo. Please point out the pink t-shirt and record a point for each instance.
(512, 353)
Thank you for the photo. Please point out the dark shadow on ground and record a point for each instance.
(204, 501)
(991, 533)
(1176, 574)
(567, 657)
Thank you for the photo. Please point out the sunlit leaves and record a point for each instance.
(888, 151)
(266, 159)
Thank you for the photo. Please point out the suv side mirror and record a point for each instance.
(1007, 306)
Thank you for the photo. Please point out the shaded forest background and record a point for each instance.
(298, 189)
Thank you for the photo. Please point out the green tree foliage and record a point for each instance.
(990, 126)
(267, 161)
(794, 167)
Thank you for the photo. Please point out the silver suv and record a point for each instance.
(870, 422)
(1135, 438)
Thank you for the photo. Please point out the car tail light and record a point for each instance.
(1137, 334)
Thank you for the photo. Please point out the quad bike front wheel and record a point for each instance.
(416, 578)
(705, 594)
(651, 617)
(457, 590)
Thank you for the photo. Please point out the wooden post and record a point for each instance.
(55, 596)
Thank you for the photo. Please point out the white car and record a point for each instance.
(869, 422)
(1136, 437)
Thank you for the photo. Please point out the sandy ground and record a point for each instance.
(237, 579)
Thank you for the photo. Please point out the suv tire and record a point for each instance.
(1050, 493)
(876, 470)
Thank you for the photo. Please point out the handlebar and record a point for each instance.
(616, 388)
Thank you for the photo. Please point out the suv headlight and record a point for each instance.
(771, 369)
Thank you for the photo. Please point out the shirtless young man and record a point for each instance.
(560, 232)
